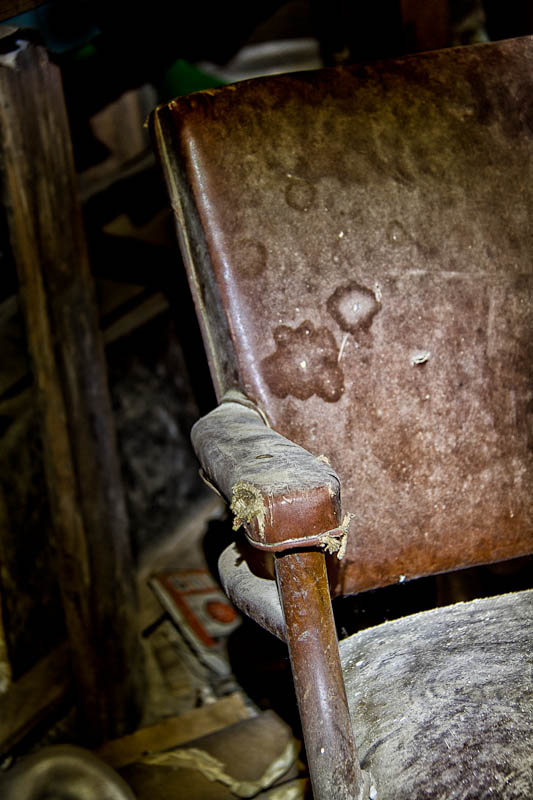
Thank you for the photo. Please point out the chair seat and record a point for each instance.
(442, 701)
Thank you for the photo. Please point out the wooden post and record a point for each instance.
(95, 565)
(9, 8)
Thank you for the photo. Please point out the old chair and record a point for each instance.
(358, 242)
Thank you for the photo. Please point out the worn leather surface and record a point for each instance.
(441, 701)
(359, 243)
(283, 495)
(255, 595)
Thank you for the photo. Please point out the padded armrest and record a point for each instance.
(283, 495)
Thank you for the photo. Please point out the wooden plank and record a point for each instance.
(175, 731)
(83, 475)
(238, 761)
(5, 666)
(31, 602)
(10, 8)
(33, 697)
(14, 364)
(151, 306)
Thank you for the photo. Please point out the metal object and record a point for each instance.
(313, 647)
(63, 772)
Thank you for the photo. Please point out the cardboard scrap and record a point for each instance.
(175, 731)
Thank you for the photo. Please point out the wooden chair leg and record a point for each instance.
(320, 692)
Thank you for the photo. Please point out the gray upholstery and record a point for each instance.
(442, 701)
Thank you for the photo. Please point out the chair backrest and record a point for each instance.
(359, 246)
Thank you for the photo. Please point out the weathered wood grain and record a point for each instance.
(175, 731)
(10, 8)
(31, 699)
(31, 603)
(83, 476)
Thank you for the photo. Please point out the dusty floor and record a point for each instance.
(208, 733)
(245, 737)
(202, 736)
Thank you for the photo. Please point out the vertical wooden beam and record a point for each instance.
(94, 556)
(9, 8)
(5, 666)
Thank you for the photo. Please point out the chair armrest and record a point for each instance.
(283, 495)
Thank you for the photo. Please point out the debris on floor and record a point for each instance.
(244, 760)
(201, 612)
(201, 736)
(175, 731)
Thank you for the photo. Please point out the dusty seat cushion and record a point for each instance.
(442, 702)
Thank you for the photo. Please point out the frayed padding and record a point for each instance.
(247, 504)
(337, 543)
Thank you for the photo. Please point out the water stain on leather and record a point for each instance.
(252, 258)
(399, 455)
(396, 234)
(300, 194)
(304, 364)
(353, 307)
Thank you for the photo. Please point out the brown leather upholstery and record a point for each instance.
(359, 245)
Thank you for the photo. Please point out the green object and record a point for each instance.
(87, 51)
(183, 78)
